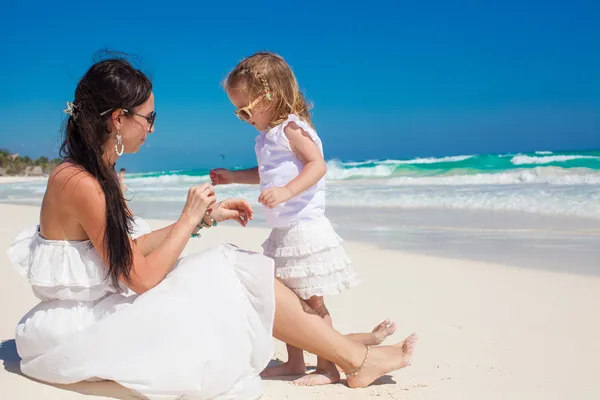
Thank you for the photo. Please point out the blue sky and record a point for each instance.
(392, 79)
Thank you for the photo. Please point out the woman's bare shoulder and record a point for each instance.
(71, 182)
(72, 197)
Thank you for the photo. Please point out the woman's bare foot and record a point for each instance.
(285, 369)
(325, 374)
(382, 331)
(383, 360)
(375, 338)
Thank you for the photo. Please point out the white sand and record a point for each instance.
(486, 331)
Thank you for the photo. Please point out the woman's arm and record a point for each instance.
(150, 241)
(89, 209)
(230, 209)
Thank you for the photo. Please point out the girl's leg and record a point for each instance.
(326, 371)
(298, 325)
(292, 367)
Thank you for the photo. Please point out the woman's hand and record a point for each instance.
(200, 198)
(232, 209)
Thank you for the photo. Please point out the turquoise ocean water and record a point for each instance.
(542, 182)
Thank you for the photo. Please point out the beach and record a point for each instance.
(455, 149)
(489, 327)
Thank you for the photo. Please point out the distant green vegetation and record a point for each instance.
(13, 164)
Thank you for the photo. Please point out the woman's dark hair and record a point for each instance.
(109, 84)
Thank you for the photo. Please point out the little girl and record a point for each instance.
(309, 257)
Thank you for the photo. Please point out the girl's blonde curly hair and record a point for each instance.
(266, 72)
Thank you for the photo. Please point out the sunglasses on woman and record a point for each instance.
(151, 119)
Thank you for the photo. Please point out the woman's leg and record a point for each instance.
(295, 366)
(298, 325)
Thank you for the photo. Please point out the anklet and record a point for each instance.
(357, 370)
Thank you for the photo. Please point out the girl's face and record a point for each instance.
(253, 110)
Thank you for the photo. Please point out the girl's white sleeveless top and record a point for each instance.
(278, 165)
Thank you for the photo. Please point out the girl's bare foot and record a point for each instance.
(320, 377)
(285, 369)
(383, 360)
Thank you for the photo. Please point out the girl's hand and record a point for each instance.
(232, 209)
(221, 176)
(274, 196)
(200, 198)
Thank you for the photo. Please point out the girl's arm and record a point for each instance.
(222, 176)
(314, 168)
(247, 176)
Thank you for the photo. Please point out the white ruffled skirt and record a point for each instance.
(310, 259)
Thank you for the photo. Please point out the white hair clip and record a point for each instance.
(71, 109)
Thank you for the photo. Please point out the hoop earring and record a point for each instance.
(119, 144)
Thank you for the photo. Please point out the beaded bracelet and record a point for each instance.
(195, 235)
(203, 224)
(212, 221)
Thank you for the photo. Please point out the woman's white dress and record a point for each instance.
(203, 333)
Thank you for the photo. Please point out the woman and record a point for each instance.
(117, 304)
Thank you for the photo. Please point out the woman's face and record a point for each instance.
(135, 124)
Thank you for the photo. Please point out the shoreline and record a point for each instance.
(5, 180)
(560, 243)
